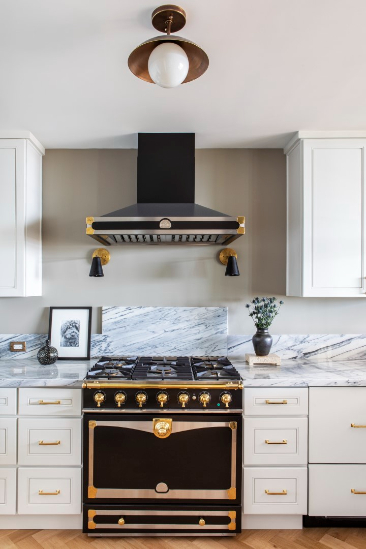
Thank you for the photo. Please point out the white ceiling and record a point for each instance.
(276, 66)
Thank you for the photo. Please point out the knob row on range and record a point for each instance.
(162, 398)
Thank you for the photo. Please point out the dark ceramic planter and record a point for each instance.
(262, 342)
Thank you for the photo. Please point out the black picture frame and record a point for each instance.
(60, 349)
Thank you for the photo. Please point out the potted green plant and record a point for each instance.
(263, 310)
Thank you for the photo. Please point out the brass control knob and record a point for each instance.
(205, 399)
(226, 398)
(141, 398)
(162, 398)
(121, 521)
(183, 399)
(119, 398)
(99, 397)
(202, 522)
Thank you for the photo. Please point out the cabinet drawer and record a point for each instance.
(330, 490)
(337, 425)
(8, 402)
(8, 491)
(177, 521)
(275, 441)
(275, 491)
(55, 441)
(51, 491)
(8, 441)
(50, 402)
(275, 402)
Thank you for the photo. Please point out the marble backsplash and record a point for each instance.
(308, 346)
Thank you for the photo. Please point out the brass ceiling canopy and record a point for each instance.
(168, 18)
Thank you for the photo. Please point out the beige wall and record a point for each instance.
(77, 183)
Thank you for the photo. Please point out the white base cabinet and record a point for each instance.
(337, 490)
(326, 217)
(40, 458)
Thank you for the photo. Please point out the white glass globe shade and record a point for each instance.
(168, 65)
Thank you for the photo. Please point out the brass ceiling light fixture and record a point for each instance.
(168, 61)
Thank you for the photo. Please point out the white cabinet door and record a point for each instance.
(275, 491)
(20, 218)
(8, 441)
(337, 490)
(51, 491)
(325, 215)
(8, 491)
(8, 402)
(49, 441)
(275, 441)
(286, 401)
(337, 425)
(49, 402)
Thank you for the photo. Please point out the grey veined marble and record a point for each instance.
(313, 346)
(169, 331)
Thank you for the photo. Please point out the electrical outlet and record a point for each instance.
(17, 346)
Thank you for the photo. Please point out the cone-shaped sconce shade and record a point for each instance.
(232, 266)
(96, 267)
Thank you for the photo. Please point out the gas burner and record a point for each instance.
(112, 368)
(213, 368)
(163, 368)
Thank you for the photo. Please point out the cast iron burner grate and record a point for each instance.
(160, 368)
(213, 368)
(113, 368)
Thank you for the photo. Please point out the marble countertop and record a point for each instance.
(292, 373)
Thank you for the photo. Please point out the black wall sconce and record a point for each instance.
(229, 257)
(101, 257)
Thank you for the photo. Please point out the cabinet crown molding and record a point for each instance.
(308, 134)
(4, 134)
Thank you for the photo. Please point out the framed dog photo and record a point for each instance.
(69, 332)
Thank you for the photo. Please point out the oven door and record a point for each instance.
(149, 458)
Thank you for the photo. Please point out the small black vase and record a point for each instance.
(262, 342)
(47, 354)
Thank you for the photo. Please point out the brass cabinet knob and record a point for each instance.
(202, 522)
(99, 397)
(183, 399)
(141, 398)
(119, 398)
(121, 521)
(226, 398)
(205, 399)
(162, 398)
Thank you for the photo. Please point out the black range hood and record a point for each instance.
(165, 212)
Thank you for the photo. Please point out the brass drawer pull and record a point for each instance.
(353, 491)
(42, 493)
(42, 443)
(47, 402)
(358, 426)
(283, 493)
(202, 522)
(121, 521)
(284, 441)
(275, 402)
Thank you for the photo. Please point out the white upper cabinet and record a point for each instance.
(326, 216)
(21, 216)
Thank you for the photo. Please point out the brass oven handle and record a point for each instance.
(358, 426)
(353, 491)
(276, 402)
(47, 402)
(283, 493)
(42, 493)
(42, 443)
(284, 441)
